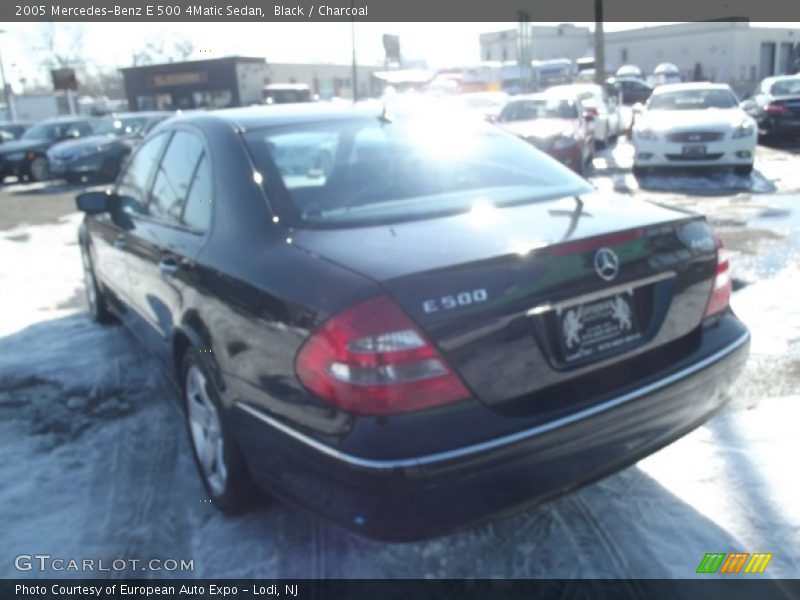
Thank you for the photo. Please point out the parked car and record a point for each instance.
(665, 74)
(631, 90)
(629, 72)
(608, 121)
(554, 123)
(27, 156)
(776, 106)
(287, 93)
(100, 155)
(448, 327)
(693, 125)
(489, 104)
(12, 130)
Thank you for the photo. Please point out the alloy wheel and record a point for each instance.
(206, 431)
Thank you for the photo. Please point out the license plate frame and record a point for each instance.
(597, 327)
(694, 150)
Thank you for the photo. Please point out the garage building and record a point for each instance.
(212, 83)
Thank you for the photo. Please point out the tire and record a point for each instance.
(218, 459)
(743, 170)
(73, 179)
(98, 307)
(39, 169)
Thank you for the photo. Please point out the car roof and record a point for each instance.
(149, 114)
(67, 119)
(775, 78)
(257, 117)
(699, 85)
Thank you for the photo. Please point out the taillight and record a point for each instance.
(723, 284)
(372, 359)
(774, 108)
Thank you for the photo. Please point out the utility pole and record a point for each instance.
(599, 44)
(10, 108)
(353, 43)
(523, 49)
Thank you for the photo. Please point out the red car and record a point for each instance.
(554, 123)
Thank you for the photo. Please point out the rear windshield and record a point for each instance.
(545, 108)
(369, 170)
(693, 100)
(786, 87)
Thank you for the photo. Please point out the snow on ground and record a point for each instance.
(775, 171)
(96, 462)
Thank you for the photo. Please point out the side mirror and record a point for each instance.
(638, 108)
(588, 116)
(93, 203)
(493, 118)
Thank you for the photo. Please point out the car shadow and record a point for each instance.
(704, 182)
(784, 144)
(47, 187)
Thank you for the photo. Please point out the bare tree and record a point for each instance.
(183, 49)
(60, 45)
(151, 52)
(155, 50)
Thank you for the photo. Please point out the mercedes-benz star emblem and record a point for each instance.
(606, 264)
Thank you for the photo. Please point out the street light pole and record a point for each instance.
(353, 43)
(599, 44)
(9, 107)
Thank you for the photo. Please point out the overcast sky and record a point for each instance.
(112, 44)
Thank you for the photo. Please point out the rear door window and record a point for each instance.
(197, 213)
(132, 188)
(174, 177)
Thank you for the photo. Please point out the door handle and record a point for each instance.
(120, 242)
(169, 266)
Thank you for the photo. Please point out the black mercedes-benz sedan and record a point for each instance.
(406, 321)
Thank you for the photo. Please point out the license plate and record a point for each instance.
(596, 327)
(694, 150)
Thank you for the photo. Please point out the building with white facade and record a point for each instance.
(734, 52)
(563, 41)
(731, 52)
(326, 80)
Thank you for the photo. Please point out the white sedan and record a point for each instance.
(608, 121)
(692, 125)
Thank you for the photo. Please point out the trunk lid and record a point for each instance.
(494, 289)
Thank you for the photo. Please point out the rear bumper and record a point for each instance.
(726, 152)
(773, 125)
(82, 166)
(571, 156)
(431, 495)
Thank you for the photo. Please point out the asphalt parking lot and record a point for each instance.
(96, 460)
